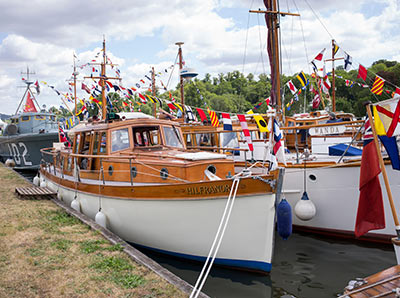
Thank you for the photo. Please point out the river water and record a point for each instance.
(304, 266)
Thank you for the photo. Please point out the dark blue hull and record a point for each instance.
(24, 149)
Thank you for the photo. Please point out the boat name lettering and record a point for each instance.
(208, 189)
(327, 130)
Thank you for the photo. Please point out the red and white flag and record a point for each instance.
(246, 131)
(316, 101)
(291, 87)
(320, 55)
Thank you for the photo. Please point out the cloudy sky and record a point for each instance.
(219, 36)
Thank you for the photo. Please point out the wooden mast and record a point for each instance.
(153, 90)
(274, 32)
(180, 78)
(75, 73)
(103, 78)
(333, 75)
(103, 82)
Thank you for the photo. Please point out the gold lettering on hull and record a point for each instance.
(206, 190)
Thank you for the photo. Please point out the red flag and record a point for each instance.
(171, 106)
(29, 106)
(362, 73)
(203, 116)
(370, 213)
(84, 87)
(142, 98)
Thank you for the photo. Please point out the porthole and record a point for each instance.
(133, 172)
(312, 177)
(212, 169)
(110, 170)
(164, 173)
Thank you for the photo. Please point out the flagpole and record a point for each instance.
(333, 77)
(384, 174)
(153, 90)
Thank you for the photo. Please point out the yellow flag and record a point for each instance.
(380, 129)
(261, 123)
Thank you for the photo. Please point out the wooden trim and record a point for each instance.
(182, 191)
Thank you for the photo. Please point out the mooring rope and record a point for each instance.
(217, 240)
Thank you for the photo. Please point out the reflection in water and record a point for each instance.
(303, 266)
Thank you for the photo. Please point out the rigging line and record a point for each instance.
(326, 29)
(259, 37)
(247, 34)
(172, 71)
(302, 33)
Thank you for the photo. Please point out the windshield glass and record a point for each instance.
(119, 139)
(172, 137)
(229, 140)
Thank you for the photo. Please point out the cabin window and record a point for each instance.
(14, 120)
(189, 140)
(25, 118)
(290, 123)
(40, 117)
(172, 137)
(203, 139)
(77, 142)
(146, 136)
(86, 143)
(103, 142)
(229, 140)
(96, 142)
(120, 139)
(52, 118)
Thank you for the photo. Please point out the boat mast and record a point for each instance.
(271, 18)
(103, 78)
(28, 83)
(333, 75)
(75, 73)
(179, 43)
(153, 90)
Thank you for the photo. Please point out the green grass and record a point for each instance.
(117, 270)
(61, 244)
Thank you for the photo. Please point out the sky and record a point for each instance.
(219, 36)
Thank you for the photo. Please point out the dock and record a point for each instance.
(382, 284)
(34, 192)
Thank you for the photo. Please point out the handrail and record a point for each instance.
(346, 123)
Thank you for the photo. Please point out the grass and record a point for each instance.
(45, 252)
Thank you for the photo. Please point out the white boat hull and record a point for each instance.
(335, 193)
(187, 228)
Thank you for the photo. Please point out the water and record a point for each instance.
(303, 266)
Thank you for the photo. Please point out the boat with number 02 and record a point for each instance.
(150, 190)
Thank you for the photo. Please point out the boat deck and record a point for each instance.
(382, 284)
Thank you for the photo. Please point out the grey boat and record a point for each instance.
(28, 132)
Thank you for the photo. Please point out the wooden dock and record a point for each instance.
(34, 192)
(382, 284)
